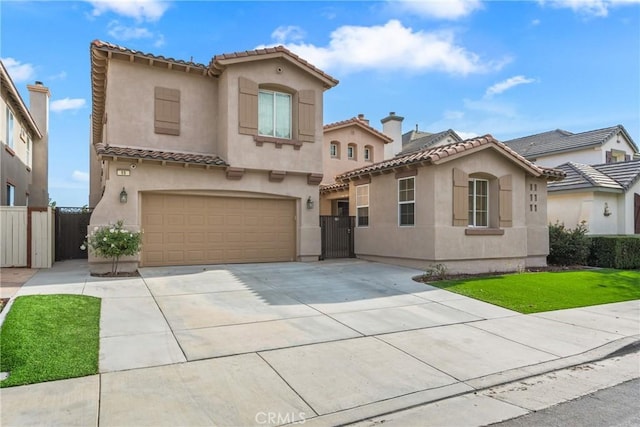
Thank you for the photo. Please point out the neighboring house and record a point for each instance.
(216, 163)
(474, 206)
(348, 145)
(608, 145)
(23, 132)
(605, 196)
(418, 140)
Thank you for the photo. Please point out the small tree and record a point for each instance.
(567, 246)
(113, 242)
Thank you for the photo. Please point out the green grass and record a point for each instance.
(50, 337)
(536, 292)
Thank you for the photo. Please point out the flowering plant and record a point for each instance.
(113, 242)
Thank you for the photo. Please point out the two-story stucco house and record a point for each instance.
(216, 163)
(474, 206)
(24, 135)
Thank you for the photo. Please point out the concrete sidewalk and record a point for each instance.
(328, 342)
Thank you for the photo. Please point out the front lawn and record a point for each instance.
(50, 337)
(536, 292)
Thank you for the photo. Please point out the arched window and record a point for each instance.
(368, 153)
(352, 151)
(334, 149)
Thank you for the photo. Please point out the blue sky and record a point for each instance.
(508, 68)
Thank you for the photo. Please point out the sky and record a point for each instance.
(506, 68)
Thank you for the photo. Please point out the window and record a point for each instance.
(367, 154)
(478, 203)
(28, 142)
(274, 114)
(362, 205)
(9, 135)
(406, 201)
(351, 151)
(11, 195)
(334, 150)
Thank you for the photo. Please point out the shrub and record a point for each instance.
(113, 242)
(567, 246)
(621, 252)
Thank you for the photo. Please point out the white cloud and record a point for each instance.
(535, 22)
(597, 8)
(141, 10)
(507, 84)
(67, 104)
(440, 9)
(60, 76)
(466, 135)
(453, 115)
(122, 32)
(80, 176)
(393, 46)
(284, 34)
(18, 71)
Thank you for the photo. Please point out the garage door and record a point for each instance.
(187, 230)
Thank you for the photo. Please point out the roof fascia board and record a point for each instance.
(362, 126)
(15, 95)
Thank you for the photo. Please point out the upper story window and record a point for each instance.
(28, 142)
(9, 134)
(406, 201)
(478, 202)
(274, 114)
(362, 205)
(351, 151)
(368, 154)
(11, 195)
(334, 149)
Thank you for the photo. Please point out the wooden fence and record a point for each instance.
(27, 237)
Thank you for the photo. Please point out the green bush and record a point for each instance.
(567, 246)
(622, 252)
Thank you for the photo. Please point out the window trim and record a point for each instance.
(359, 206)
(336, 145)
(11, 194)
(275, 118)
(354, 151)
(407, 202)
(10, 123)
(472, 209)
(368, 153)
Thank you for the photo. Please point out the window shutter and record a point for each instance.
(460, 198)
(247, 106)
(608, 156)
(506, 201)
(167, 111)
(306, 115)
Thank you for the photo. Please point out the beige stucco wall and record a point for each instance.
(573, 207)
(130, 109)
(349, 135)
(14, 167)
(588, 156)
(434, 239)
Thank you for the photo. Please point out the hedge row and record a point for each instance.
(621, 252)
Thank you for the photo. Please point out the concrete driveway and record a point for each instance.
(326, 342)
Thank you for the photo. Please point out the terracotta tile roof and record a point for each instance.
(217, 63)
(99, 44)
(558, 141)
(337, 186)
(618, 176)
(435, 154)
(158, 155)
(361, 123)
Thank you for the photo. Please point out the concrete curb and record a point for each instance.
(474, 385)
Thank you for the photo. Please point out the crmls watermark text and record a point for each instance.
(280, 418)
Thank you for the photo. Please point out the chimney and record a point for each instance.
(362, 119)
(392, 127)
(39, 108)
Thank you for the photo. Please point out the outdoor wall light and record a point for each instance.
(607, 212)
(123, 196)
(309, 203)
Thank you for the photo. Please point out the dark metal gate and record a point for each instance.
(71, 229)
(337, 236)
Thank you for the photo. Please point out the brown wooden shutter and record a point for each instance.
(306, 115)
(608, 156)
(167, 111)
(247, 106)
(506, 201)
(460, 198)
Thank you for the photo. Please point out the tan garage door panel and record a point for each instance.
(184, 230)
